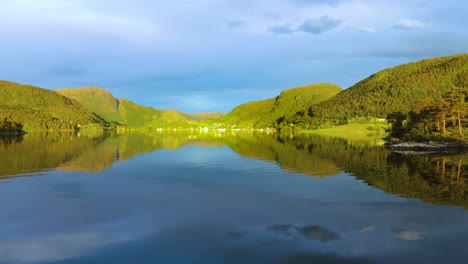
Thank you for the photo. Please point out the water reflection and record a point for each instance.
(40, 151)
(410, 235)
(433, 178)
(226, 198)
(68, 151)
(311, 232)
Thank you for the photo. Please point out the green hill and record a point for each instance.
(123, 111)
(397, 89)
(267, 113)
(37, 108)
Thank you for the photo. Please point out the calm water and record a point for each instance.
(225, 198)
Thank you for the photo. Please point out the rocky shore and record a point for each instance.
(428, 147)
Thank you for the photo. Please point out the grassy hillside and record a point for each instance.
(37, 108)
(267, 113)
(368, 133)
(396, 89)
(123, 111)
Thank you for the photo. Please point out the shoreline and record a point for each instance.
(422, 147)
(12, 133)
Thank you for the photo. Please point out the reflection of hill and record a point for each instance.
(67, 151)
(80, 153)
(437, 179)
(38, 151)
(123, 147)
(291, 155)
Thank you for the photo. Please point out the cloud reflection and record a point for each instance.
(410, 235)
(49, 248)
(311, 232)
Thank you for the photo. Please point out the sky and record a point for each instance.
(212, 55)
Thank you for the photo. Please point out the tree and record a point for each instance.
(397, 120)
(8, 126)
(458, 106)
(439, 111)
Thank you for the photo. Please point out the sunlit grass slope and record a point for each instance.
(367, 132)
(37, 108)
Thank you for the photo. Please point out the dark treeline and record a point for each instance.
(444, 118)
(10, 126)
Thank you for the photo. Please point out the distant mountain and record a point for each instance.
(37, 108)
(123, 111)
(391, 90)
(267, 113)
(203, 115)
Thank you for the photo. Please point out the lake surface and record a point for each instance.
(227, 198)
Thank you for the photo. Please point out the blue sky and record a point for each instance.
(211, 55)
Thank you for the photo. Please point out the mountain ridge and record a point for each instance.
(395, 89)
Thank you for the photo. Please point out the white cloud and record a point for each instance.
(281, 30)
(407, 24)
(367, 29)
(312, 26)
(319, 25)
(110, 43)
(49, 248)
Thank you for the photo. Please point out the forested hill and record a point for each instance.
(396, 89)
(267, 113)
(123, 111)
(37, 108)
